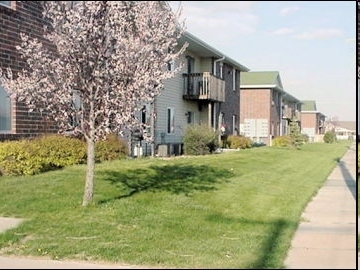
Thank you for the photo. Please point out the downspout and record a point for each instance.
(299, 111)
(218, 60)
(281, 114)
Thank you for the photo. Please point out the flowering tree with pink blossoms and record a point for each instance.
(105, 59)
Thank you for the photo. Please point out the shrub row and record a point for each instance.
(110, 149)
(282, 141)
(288, 140)
(49, 152)
(238, 142)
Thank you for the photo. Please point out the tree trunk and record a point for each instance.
(89, 180)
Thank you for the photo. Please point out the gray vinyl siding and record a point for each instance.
(171, 97)
(206, 65)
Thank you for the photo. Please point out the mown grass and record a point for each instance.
(229, 210)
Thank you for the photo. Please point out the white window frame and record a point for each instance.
(171, 65)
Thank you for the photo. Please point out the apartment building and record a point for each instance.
(312, 121)
(206, 91)
(266, 109)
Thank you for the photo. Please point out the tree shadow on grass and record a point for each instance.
(172, 178)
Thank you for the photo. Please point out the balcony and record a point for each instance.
(287, 113)
(203, 86)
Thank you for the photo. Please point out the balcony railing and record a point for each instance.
(289, 113)
(203, 86)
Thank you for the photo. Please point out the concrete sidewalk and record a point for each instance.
(28, 263)
(327, 236)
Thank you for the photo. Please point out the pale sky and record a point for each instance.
(312, 44)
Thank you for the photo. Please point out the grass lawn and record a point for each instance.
(230, 210)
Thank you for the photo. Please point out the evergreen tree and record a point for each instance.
(296, 137)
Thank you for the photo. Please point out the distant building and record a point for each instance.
(312, 121)
(344, 130)
(266, 110)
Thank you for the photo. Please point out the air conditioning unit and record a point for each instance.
(163, 150)
(138, 150)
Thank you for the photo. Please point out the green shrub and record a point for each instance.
(40, 154)
(239, 142)
(111, 148)
(305, 138)
(329, 137)
(20, 158)
(59, 150)
(283, 141)
(200, 140)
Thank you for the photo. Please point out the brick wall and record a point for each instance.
(312, 120)
(31, 122)
(27, 18)
(308, 120)
(255, 103)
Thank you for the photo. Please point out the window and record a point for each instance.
(143, 115)
(170, 120)
(77, 104)
(190, 64)
(189, 117)
(5, 3)
(171, 65)
(9, 4)
(5, 111)
(234, 79)
(235, 130)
